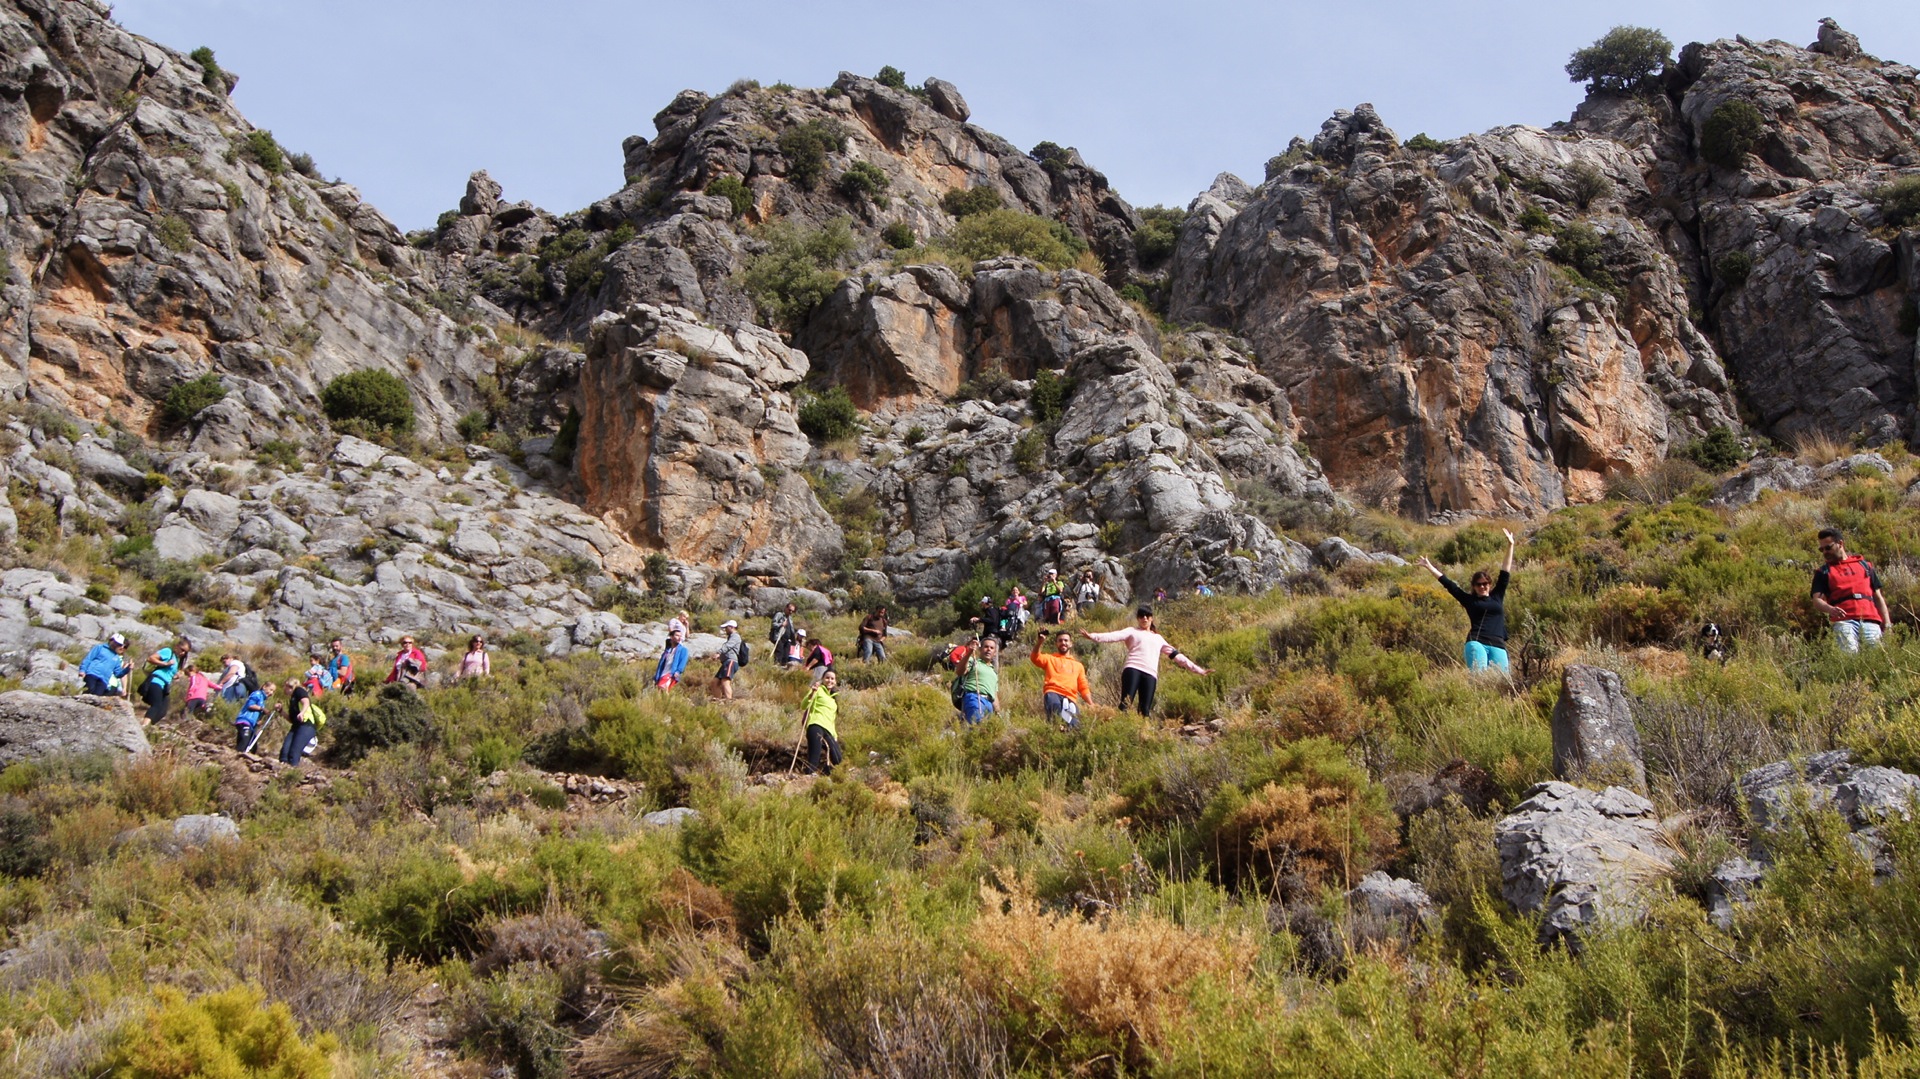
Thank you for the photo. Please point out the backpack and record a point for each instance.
(314, 715)
(746, 653)
(249, 680)
(958, 691)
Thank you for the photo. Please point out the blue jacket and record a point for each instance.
(672, 662)
(104, 663)
(250, 711)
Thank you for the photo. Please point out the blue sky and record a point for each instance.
(404, 98)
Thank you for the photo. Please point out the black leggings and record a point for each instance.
(823, 750)
(1138, 684)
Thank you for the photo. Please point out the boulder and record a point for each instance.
(667, 818)
(1836, 42)
(1594, 737)
(182, 834)
(1731, 887)
(35, 725)
(946, 100)
(1864, 795)
(482, 197)
(181, 542)
(1760, 476)
(1580, 856)
(1394, 898)
(216, 515)
(356, 453)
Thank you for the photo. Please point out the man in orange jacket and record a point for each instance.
(1064, 686)
(1847, 591)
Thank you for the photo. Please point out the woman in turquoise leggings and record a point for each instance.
(1486, 606)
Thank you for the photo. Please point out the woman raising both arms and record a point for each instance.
(1486, 608)
(1141, 676)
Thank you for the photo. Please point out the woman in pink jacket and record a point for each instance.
(1141, 676)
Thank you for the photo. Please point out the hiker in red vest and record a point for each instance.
(1847, 591)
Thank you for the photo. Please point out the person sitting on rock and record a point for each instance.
(979, 689)
(873, 635)
(1064, 685)
(1053, 598)
(730, 650)
(252, 719)
(341, 664)
(1087, 592)
(819, 658)
(1140, 678)
(1486, 607)
(822, 710)
(409, 665)
(673, 663)
(104, 671)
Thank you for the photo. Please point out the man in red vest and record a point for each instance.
(1847, 591)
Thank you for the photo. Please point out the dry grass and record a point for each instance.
(1120, 978)
(1818, 448)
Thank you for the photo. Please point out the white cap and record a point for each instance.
(729, 624)
(117, 638)
(799, 633)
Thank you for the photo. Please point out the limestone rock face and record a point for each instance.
(1579, 855)
(1594, 737)
(156, 236)
(34, 725)
(1438, 360)
(689, 441)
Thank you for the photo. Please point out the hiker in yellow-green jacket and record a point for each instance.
(822, 708)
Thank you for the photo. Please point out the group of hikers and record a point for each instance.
(1846, 589)
(106, 672)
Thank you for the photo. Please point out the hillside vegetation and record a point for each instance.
(1141, 897)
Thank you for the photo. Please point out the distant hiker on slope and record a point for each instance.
(731, 651)
(873, 636)
(1140, 678)
(673, 663)
(1053, 598)
(822, 710)
(1486, 607)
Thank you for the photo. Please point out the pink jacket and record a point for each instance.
(1144, 649)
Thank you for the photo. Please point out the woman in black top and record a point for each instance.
(1486, 612)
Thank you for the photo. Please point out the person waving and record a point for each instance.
(1486, 607)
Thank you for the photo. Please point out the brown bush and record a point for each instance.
(1634, 614)
(1325, 704)
(1076, 987)
(684, 902)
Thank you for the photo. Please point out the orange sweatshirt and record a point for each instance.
(1064, 675)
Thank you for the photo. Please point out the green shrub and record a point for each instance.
(1730, 133)
(234, 1032)
(1621, 59)
(1590, 185)
(567, 439)
(209, 70)
(281, 453)
(1534, 219)
(1030, 451)
(1581, 248)
(1472, 544)
(1720, 451)
(806, 146)
(259, 147)
(892, 76)
(1158, 234)
(1734, 268)
(995, 233)
(188, 399)
(1052, 156)
(1899, 201)
(1050, 392)
(1422, 144)
(829, 415)
(473, 426)
(396, 717)
(797, 269)
(981, 582)
(967, 201)
(735, 191)
(371, 396)
(664, 741)
(173, 232)
(864, 179)
(899, 236)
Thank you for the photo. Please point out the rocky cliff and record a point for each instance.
(1502, 324)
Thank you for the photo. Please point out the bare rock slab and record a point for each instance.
(1580, 856)
(1594, 738)
(35, 725)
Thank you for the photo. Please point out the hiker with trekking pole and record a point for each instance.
(819, 733)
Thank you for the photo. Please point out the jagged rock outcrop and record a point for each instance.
(1802, 280)
(1580, 856)
(1864, 795)
(1439, 360)
(154, 236)
(34, 725)
(689, 441)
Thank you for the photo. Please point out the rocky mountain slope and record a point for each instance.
(1503, 324)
